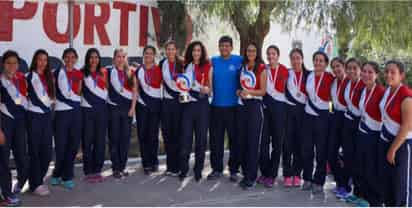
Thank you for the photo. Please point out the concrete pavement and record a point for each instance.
(159, 190)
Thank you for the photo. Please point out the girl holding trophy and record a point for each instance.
(195, 114)
(250, 122)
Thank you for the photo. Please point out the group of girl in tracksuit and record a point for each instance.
(346, 119)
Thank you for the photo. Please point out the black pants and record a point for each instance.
(385, 175)
(67, 137)
(292, 145)
(148, 133)
(223, 119)
(40, 139)
(171, 120)
(335, 142)
(15, 131)
(349, 129)
(315, 140)
(250, 127)
(119, 137)
(366, 165)
(95, 123)
(273, 131)
(195, 118)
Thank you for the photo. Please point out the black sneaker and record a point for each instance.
(182, 176)
(214, 175)
(124, 173)
(245, 185)
(198, 177)
(117, 174)
(154, 169)
(147, 171)
(233, 177)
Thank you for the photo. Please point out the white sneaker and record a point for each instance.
(42, 190)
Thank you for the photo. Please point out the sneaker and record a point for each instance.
(12, 201)
(288, 182)
(261, 180)
(198, 177)
(42, 190)
(307, 185)
(233, 177)
(245, 185)
(172, 173)
(55, 181)
(351, 199)
(296, 181)
(117, 175)
(268, 183)
(342, 193)
(182, 176)
(98, 178)
(317, 189)
(147, 171)
(69, 184)
(154, 169)
(17, 188)
(214, 175)
(362, 203)
(124, 173)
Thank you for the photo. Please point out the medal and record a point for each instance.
(69, 84)
(316, 91)
(43, 98)
(17, 101)
(298, 84)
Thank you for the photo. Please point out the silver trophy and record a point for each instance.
(183, 84)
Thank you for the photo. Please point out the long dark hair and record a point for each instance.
(258, 60)
(189, 56)
(47, 71)
(300, 52)
(179, 63)
(86, 67)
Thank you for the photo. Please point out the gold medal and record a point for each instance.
(298, 94)
(17, 101)
(43, 98)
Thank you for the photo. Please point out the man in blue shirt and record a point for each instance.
(226, 69)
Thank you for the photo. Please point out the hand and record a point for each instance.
(131, 112)
(205, 90)
(244, 93)
(2, 138)
(390, 156)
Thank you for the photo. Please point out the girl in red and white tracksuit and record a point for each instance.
(352, 95)
(275, 118)
(335, 139)
(366, 160)
(295, 109)
(316, 119)
(394, 148)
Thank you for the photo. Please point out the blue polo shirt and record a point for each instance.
(226, 80)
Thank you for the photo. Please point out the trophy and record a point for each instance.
(247, 81)
(183, 85)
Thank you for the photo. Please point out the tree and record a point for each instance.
(175, 23)
(251, 19)
(374, 28)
